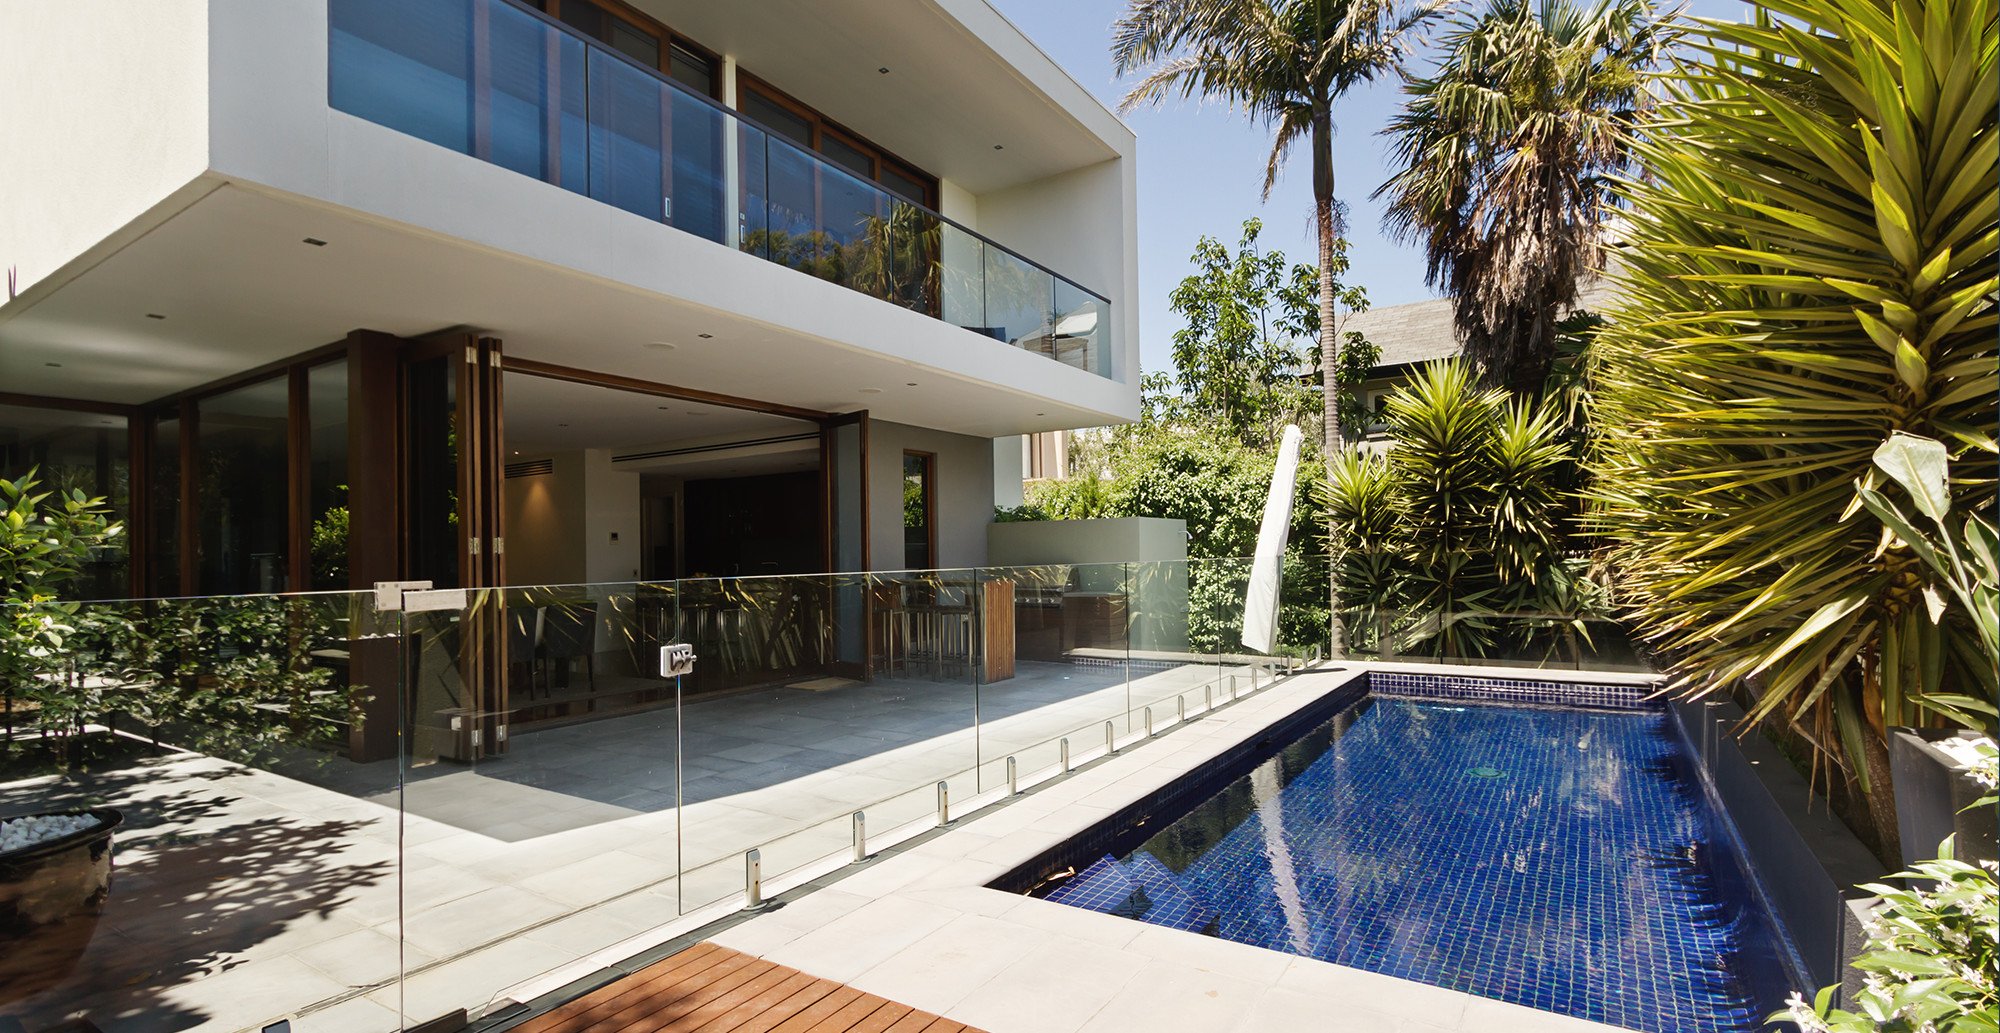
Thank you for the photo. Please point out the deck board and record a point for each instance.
(712, 989)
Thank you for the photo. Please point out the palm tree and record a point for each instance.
(1284, 63)
(1507, 154)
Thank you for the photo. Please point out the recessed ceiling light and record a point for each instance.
(706, 337)
(53, 365)
(1041, 414)
(998, 147)
(911, 384)
(154, 315)
(315, 241)
(662, 408)
(871, 390)
(562, 424)
(883, 70)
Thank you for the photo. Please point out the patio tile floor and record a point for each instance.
(243, 895)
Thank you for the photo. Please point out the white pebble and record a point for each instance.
(21, 833)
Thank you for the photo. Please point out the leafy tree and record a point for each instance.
(45, 541)
(1810, 268)
(1507, 151)
(1237, 360)
(1284, 63)
(1246, 358)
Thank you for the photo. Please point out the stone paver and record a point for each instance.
(244, 895)
(1050, 967)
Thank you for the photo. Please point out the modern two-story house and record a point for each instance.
(322, 293)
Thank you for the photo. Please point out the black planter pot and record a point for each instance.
(50, 896)
(1932, 794)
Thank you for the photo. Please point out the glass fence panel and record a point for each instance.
(1217, 588)
(541, 785)
(1081, 333)
(1169, 660)
(537, 123)
(656, 150)
(916, 237)
(246, 746)
(405, 66)
(1019, 300)
(1070, 669)
(755, 204)
(791, 219)
(961, 279)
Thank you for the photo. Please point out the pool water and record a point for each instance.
(1564, 860)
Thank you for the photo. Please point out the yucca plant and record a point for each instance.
(1460, 529)
(1809, 267)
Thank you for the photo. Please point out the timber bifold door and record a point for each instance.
(456, 696)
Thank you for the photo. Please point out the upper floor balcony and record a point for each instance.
(510, 85)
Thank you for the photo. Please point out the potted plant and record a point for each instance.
(55, 867)
(1933, 769)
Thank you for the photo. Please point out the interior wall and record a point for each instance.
(962, 498)
(611, 516)
(544, 522)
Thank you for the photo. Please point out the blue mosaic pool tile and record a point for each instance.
(1535, 692)
(1141, 888)
(1551, 858)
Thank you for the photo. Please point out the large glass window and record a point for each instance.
(919, 530)
(241, 478)
(326, 476)
(75, 451)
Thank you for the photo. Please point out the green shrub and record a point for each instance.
(1931, 960)
(1457, 539)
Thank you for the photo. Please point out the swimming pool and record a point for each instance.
(1565, 859)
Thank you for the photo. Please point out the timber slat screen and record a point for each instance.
(711, 989)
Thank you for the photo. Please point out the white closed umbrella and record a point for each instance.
(1260, 600)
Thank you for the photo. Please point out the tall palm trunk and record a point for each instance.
(1329, 351)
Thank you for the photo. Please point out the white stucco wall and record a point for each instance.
(963, 496)
(103, 115)
(610, 507)
(1083, 224)
(1007, 484)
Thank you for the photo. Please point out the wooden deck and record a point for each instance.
(713, 989)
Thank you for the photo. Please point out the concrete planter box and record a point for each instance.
(1932, 792)
(50, 897)
(1135, 568)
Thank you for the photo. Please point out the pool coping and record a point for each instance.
(924, 928)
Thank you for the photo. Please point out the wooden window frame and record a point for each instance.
(880, 157)
(185, 406)
(930, 507)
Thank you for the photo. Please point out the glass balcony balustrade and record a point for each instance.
(502, 83)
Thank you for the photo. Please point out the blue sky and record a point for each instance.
(1201, 168)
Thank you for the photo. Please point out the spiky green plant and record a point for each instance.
(1810, 267)
(1459, 532)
